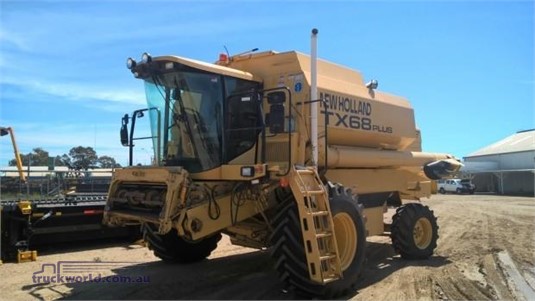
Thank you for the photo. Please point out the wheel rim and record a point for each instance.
(422, 233)
(346, 238)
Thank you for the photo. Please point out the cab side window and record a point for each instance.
(242, 117)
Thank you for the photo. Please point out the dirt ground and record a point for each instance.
(486, 250)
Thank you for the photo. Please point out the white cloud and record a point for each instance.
(13, 39)
(87, 27)
(76, 51)
(78, 91)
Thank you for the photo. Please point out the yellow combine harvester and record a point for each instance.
(272, 149)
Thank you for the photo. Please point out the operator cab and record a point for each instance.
(202, 115)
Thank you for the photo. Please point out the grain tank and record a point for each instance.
(367, 130)
(245, 148)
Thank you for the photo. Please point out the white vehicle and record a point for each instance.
(456, 185)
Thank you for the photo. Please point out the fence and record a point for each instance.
(42, 183)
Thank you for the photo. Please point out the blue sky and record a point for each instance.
(466, 66)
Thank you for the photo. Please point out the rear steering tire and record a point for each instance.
(442, 190)
(172, 248)
(288, 246)
(414, 231)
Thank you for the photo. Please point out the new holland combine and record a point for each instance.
(277, 150)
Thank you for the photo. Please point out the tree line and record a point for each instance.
(78, 158)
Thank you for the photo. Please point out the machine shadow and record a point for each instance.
(382, 261)
(83, 245)
(243, 276)
(236, 277)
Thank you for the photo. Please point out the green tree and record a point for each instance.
(107, 162)
(63, 160)
(82, 158)
(38, 157)
(58, 161)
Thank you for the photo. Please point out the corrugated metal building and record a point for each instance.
(505, 167)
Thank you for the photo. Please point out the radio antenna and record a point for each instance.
(247, 52)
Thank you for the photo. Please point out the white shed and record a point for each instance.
(504, 167)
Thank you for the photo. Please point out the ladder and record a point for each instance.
(316, 225)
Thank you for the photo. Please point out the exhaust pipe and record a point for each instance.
(314, 96)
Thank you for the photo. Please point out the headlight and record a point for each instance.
(247, 171)
(146, 58)
(130, 63)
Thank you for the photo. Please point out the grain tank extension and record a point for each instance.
(234, 155)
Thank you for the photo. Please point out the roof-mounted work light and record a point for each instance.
(146, 58)
(130, 63)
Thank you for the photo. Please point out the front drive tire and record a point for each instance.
(172, 248)
(414, 231)
(289, 253)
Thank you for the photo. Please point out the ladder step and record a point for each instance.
(305, 171)
(313, 192)
(324, 234)
(320, 213)
(330, 279)
(313, 207)
(327, 256)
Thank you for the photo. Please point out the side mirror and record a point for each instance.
(275, 117)
(124, 131)
(276, 98)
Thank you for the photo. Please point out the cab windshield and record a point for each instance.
(191, 104)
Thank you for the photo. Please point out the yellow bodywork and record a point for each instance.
(368, 142)
(26, 256)
(373, 144)
(25, 207)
